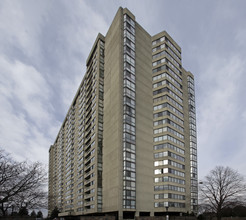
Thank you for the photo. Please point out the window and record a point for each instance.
(158, 40)
(159, 62)
(129, 137)
(158, 48)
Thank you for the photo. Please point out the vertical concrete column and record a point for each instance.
(120, 215)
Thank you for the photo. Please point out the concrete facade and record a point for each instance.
(127, 146)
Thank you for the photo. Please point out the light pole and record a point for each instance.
(167, 216)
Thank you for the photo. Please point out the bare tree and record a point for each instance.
(21, 184)
(221, 188)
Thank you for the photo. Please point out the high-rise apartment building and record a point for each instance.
(127, 146)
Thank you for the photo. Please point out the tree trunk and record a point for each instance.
(2, 210)
(219, 214)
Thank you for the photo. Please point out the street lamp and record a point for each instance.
(167, 217)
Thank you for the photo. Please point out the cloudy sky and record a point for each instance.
(44, 45)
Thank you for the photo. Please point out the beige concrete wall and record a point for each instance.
(112, 131)
(144, 122)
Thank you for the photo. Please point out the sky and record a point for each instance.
(44, 45)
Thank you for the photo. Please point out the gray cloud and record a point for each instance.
(44, 45)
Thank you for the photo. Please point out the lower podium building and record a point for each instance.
(127, 146)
